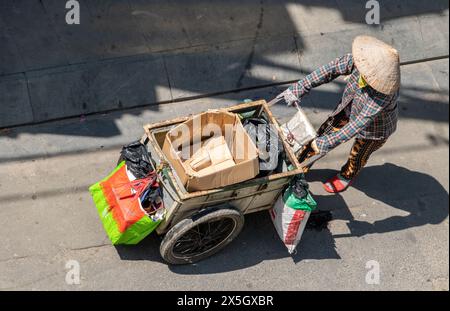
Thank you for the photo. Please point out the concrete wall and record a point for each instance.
(138, 52)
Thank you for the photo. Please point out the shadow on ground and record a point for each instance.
(420, 195)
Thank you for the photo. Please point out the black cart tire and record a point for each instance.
(201, 236)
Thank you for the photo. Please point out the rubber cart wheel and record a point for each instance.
(201, 236)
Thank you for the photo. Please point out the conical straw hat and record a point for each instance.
(378, 63)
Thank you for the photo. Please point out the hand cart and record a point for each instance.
(200, 224)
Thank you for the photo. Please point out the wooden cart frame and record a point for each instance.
(188, 212)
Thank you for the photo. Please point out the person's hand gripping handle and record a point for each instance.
(288, 96)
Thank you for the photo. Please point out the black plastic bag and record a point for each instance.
(267, 141)
(137, 159)
(300, 187)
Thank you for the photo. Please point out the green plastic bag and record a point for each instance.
(305, 204)
(123, 219)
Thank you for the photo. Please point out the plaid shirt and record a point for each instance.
(372, 115)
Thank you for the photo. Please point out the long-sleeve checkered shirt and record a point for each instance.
(372, 115)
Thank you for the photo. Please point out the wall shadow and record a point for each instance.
(35, 37)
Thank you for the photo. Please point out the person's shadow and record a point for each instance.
(419, 194)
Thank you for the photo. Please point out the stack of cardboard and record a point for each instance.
(228, 156)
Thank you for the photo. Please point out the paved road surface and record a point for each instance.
(396, 213)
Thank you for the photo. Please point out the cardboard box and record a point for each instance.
(219, 151)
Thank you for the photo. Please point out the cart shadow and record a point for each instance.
(148, 249)
(259, 242)
(419, 194)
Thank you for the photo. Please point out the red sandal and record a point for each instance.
(337, 184)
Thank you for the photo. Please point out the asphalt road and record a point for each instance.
(71, 96)
(396, 214)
